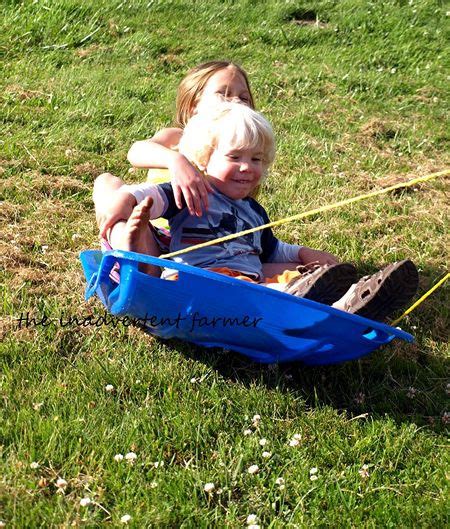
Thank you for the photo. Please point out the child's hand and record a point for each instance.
(188, 182)
(119, 208)
(309, 256)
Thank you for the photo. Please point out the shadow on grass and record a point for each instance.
(406, 381)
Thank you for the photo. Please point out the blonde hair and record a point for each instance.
(191, 88)
(231, 124)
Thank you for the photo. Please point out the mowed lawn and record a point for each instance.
(357, 92)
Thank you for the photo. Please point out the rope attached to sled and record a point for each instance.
(420, 300)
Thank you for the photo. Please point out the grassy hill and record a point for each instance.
(357, 92)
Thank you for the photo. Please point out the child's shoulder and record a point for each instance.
(258, 208)
(169, 137)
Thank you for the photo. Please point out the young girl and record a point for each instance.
(235, 144)
(202, 87)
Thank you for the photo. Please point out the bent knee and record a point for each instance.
(105, 178)
(107, 182)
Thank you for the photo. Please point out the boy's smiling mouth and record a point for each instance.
(241, 181)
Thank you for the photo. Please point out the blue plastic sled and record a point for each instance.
(214, 310)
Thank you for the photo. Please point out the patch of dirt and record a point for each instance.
(305, 17)
(421, 170)
(4, 164)
(89, 50)
(311, 23)
(87, 168)
(427, 93)
(172, 60)
(37, 182)
(377, 129)
(22, 93)
(11, 212)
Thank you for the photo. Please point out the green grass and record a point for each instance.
(358, 100)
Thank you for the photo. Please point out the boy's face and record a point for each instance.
(235, 172)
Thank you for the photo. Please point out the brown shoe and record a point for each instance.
(379, 295)
(324, 284)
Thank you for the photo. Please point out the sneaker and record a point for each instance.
(379, 295)
(325, 284)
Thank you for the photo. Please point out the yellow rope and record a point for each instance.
(322, 209)
(423, 298)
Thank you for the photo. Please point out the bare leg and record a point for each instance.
(136, 235)
(272, 269)
(104, 186)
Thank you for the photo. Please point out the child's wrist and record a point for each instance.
(300, 252)
(174, 159)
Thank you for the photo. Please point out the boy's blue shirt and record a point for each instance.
(225, 216)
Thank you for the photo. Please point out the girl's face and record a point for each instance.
(227, 84)
(235, 172)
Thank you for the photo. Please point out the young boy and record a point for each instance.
(235, 146)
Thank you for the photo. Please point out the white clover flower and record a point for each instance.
(314, 477)
(294, 442)
(263, 442)
(266, 455)
(125, 518)
(131, 457)
(256, 419)
(248, 432)
(209, 487)
(313, 471)
(34, 465)
(251, 518)
(279, 481)
(153, 484)
(158, 464)
(118, 457)
(193, 380)
(254, 526)
(411, 392)
(61, 483)
(360, 398)
(84, 502)
(297, 436)
(253, 469)
(364, 471)
(109, 388)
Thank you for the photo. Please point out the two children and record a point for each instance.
(203, 87)
(235, 146)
